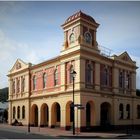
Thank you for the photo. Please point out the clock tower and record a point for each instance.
(79, 33)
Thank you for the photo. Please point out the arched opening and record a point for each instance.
(105, 114)
(55, 115)
(90, 114)
(44, 115)
(14, 112)
(121, 111)
(128, 111)
(34, 115)
(23, 112)
(18, 112)
(69, 115)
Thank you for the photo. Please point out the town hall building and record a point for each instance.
(105, 86)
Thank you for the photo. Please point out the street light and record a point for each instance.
(73, 74)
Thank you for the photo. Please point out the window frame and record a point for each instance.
(56, 77)
(34, 82)
(90, 37)
(18, 112)
(44, 80)
(71, 38)
(23, 112)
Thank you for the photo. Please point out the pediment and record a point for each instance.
(124, 57)
(19, 65)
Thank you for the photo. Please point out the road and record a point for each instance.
(12, 134)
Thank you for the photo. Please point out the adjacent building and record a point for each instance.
(42, 94)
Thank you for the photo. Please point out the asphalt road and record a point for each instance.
(9, 134)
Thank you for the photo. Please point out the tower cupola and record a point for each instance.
(80, 29)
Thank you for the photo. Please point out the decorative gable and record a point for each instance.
(19, 65)
(124, 57)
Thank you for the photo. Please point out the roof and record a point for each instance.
(81, 15)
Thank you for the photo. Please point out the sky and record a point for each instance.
(32, 31)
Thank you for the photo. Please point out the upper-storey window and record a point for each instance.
(71, 38)
(22, 84)
(127, 82)
(121, 79)
(18, 85)
(44, 80)
(55, 77)
(70, 75)
(88, 37)
(89, 73)
(34, 82)
(13, 86)
(106, 76)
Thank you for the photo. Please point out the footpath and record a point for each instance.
(58, 133)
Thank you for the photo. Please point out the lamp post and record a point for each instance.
(73, 74)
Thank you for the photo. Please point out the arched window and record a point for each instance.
(18, 85)
(13, 86)
(23, 112)
(44, 80)
(89, 73)
(121, 79)
(71, 38)
(56, 77)
(121, 111)
(34, 82)
(14, 112)
(18, 112)
(88, 37)
(138, 111)
(22, 84)
(70, 75)
(127, 82)
(128, 111)
(106, 76)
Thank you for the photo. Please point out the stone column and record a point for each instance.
(133, 83)
(10, 88)
(63, 76)
(124, 82)
(77, 69)
(82, 73)
(39, 116)
(97, 114)
(97, 76)
(63, 118)
(15, 87)
(115, 80)
(10, 113)
(50, 115)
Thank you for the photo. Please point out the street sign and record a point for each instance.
(80, 107)
(77, 105)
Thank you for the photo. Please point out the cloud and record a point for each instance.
(11, 50)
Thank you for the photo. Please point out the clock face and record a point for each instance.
(88, 38)
(72, 38)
